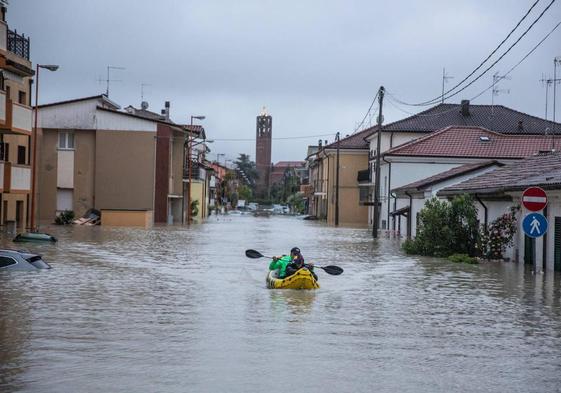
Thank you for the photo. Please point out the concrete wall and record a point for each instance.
(125, 170)
(127, 218)
(47, 173)
(84, 171)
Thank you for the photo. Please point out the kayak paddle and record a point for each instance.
(331, 269)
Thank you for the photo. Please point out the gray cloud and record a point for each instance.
(315, 64)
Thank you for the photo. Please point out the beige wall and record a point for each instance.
(127, 218)
(84, 170)
(124, 174)
(350, 211)
(47, 173)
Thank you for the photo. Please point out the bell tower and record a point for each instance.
(263, 139)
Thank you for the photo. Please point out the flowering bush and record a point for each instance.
(498, 235)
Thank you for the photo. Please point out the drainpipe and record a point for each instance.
(409, 215)
(394, 208)
(484, 208)
(389, 186)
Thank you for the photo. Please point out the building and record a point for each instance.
(263, 142)
(418, 169)
(279, 170)
(353, 158)
(130, 166)
(16, 116)
(500, 190)
(497, 118)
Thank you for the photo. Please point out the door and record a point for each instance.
(557, 245)
(529, 250)
(19, 214)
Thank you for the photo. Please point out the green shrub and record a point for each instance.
(446, 228)
(409, 246)
(462, 258)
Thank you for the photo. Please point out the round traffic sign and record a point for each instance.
(534, 199)
(534, 225)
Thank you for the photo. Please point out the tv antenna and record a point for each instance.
(495, 91)
(445, 78)
(109, 80)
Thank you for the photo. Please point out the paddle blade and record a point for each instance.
(331, 269)
(253, 254)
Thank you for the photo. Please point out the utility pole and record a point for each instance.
(556, 61)
(377, 169)
(444, 80)
(338, 137)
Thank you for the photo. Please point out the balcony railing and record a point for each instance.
(363, 176)
(22, 118)
(196, 172)
(18, 44)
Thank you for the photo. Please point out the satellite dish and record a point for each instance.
(144, 105)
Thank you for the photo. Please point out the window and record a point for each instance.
(6, 261)
(6, 151)
(22, 97)
(22, 155)
(66, 140)
(64, 199)
(364, 194)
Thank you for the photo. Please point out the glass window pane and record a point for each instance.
(62, 140)
(70, 141)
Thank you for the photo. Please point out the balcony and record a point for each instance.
(15, 178)
(3, 107)
(18, 44)
(197, 172)
(22, 118)
(363, 176)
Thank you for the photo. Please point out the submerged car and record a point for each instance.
(21, 260)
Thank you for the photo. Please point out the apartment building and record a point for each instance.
(16, 79)
(126, 164)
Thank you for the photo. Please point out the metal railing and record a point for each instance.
(18, 44)
(195, 171)
(363, 176)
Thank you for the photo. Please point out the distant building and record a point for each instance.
(279, 170)
(263, 141)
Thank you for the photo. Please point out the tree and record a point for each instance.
(245, 165)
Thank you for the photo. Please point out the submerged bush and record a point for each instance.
(462, 258)
(64, 218)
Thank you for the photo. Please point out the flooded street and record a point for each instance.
(172, 309)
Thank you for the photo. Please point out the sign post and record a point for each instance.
(534, 224)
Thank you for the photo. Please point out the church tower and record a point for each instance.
(263, 139)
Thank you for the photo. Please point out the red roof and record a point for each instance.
(474, 142)
(289, 164)
(542, 170)
(354, 141)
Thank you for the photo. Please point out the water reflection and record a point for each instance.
(182, 309)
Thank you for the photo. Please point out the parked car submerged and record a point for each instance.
(21, 260)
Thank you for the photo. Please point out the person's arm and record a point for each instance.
(274, 264)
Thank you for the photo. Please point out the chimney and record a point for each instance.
(520, 125)
(166, 105)
(465, 108)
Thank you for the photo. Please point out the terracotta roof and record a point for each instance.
(497, 118)
(542, 170)
(461, 170)
(289, 164)
(474, 142)
(354, 141)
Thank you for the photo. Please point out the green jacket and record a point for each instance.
(281, 265)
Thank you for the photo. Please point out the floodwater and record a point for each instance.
(173, 309)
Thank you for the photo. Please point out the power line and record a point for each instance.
(277, 138)
(367, 113)
(446, 96)
(392, 101)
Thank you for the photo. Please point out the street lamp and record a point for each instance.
(49, 67)
(190, 165)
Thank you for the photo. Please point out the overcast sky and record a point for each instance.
(315, 65)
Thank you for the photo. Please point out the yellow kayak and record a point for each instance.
(302, 279)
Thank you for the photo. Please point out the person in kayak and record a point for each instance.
(288, 265)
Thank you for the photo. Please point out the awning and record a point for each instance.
(404, 211)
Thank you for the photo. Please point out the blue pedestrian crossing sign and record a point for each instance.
(534, 225)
